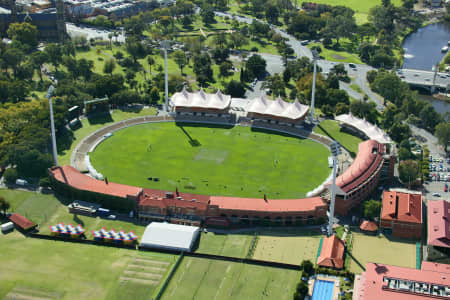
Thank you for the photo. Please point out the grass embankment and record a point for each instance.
(92, 124)
(332, 129)
(212, 160)
(337, 56)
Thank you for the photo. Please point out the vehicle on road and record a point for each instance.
(436, 195)
(353, 66)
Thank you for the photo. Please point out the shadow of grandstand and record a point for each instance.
(193, 142)
(352, 154)
(204, 125)
(262, 130)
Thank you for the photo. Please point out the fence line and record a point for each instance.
(169, 277)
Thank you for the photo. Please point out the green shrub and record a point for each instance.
(10, 176)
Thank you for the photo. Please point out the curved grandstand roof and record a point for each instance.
(266, 205)
(277, 108)
(368, 159)
(373, 132)
(200, 100)
(71, 176)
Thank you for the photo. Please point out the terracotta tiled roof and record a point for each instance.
(332, 253)
(439, 223)
(368, 226)
(367, 161)
(372, 281)
(261, 205)
(158, 198)
(405, 207)
(69, 175)
(21, 221)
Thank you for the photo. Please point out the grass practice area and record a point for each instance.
(236, 245)
(198, 278)
(382, 250)
(212, 160)
(331, 129)
(285, 248)
(361, 8)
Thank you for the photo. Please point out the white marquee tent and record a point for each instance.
(371, 131)
(277, 108)
(200, 100)
(169, 236)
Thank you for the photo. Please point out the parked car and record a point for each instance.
(353, 66)
(436, 195)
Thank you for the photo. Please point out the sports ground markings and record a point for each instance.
(215, 155)
(181, 276)
(26, 293)
(144, 271)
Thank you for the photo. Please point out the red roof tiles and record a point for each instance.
(158, 198)
(374, 287)
(368, 226)
(332, 253)
(262, 205)
(21, 221)
(404, 207)
(69, 175)
(367, 161)
(439, 223)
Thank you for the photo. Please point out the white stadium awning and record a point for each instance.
(277, 108)
(200, 100)
(373, 132)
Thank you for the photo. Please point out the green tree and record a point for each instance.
(207, 14)
(23, 32)
(150, 61)
(4, 205)
(154, 95)
(236, 89)
(10, 175)
(408, 171)
(224, 69)
(443, 134)
(256, 66)
(399, 132)
(372, 209)
(272, 13)
(12, 58)
(180, 59)
(54, 55)
(109, 66)
(38, 59)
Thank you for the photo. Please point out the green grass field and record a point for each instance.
(331, 129)
(212, 160)
(361, 8)
(337, 56)
(287, 248)
(236, 245)
(93, 124)
(379, 249)
(199, 279)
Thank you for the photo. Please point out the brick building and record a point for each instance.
(401, 213)
(332, 253)
(372, 164)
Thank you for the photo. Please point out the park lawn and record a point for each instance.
(287, 248)
(89, 223)
(94, 123)
(235, 245)
(212, 160)
(361, 8)
(35, 206)
(380, 249)
(356, 88)
(331, 129)
(337, 56)
(198, 278)
(61, 270)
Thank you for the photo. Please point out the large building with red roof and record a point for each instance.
(332, 253)
(439, 223)
(374, 162)
(386, 282)
(401, 213)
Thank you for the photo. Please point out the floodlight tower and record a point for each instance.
(335, 151)
(165, 45)
(52, 123)
(313, 92)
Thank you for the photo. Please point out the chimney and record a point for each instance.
(265, 198)
(176, 191)
(106, 180)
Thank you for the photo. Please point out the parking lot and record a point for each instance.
(439, 181)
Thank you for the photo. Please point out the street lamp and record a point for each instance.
(313, 92)
(335, 151)
(52, 124)
(165, 45)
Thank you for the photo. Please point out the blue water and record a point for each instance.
(323, 290)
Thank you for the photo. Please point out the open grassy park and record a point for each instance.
(291, 247)
(203, 279)
(332, 129)
(212, 160)
(381, 249)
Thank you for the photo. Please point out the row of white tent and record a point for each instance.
(373, 132)
(200, 99)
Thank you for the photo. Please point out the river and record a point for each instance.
(423, 47)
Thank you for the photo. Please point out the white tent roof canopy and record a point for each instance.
(200, 99)
(170, 236)
(277, 108)
(371, 131)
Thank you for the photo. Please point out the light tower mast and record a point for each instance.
(52, 124)
(335, 151)
(313, 92)
(165, 45)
